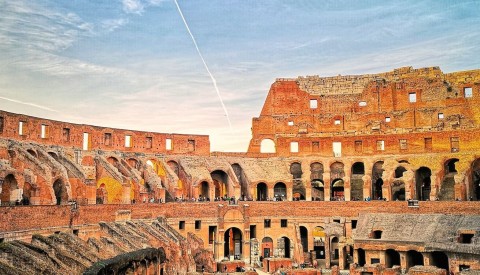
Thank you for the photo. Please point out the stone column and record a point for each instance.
(326, 183)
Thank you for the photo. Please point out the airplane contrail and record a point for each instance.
(205, 64)
(28, 103)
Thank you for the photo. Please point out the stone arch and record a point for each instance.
(134, 163)
(280, 191)
(334, 248)
(474, 189)
(423, 183)
(60, 192)
(8, 190)
(267, 146)
(240, 174)
(283, 247)
(447, 186)
(267, 247)
(377, 181)
(356, 181)
(262, 191)
(317, 183)
(53, 155)
(205, 190)
(319, 236)
(392, 258)
(233, 243)
(220, 181)
(338, 193)
(298, 188)
(398, 190)
(440, 260)
(32, 152)
(414, 258)
(304, 238)
(112, 160)
(174, 166)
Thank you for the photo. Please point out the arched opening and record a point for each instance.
(102, 194)
(414, 258)
(53, 155)
(112, 160)
(9, 192)
(233, 243)
(60, 191)
(280, 191)
(440, 260)
(205, 190)
(133, 163)
(237, 169)
(267, 247)
(475, 188)
(304, 238)
(337, 188)
(356, 181)
(348, 255)
(27, 193)
(398, 190)
(316, 178)
(220, 181)
(392, 258)
(174, 166)
(267, 146)
(283, 247)
(334, 251)
(262, 191)
(32, 152)
(319, 242)
(399, 171)
(298, 188)
(361, 257)
(423, 183)
(377, 181)
(447, 187)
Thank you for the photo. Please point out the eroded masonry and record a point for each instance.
(376, 174)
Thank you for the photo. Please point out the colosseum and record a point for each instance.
(359, 174)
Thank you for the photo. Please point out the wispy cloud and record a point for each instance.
(28, 104)
(113, 24)
(133, 6)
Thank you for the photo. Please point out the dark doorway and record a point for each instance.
(262, 191)
(233, 243)
(392, 258)
(304, 238)
(423, 183)
(61, 196)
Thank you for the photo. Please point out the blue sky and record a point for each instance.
(132, 64)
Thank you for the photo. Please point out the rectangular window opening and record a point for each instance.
(149, 142)
(290, 123)
(440, 116)
(293, 147)
(428, 144)
(191, 145)
(337, 149)
(354, 224)
(212, 230)
(455, 144)
(468, 91)
(168, 144)
(283, 223)
(253, 231)
(20, 128)
(44, 131)
(128, 141)
(315, 146)
(86, 141)
(267, 223)
(313, 104)
(337, 122)
(75, 232)
(181, 225)
(358, 146)
(380, 145)
(198, 225)
(66, 134)
(1, 124)
(107, 139)
(388, 119)
(465, 238)
(412, 97)
(403, 144)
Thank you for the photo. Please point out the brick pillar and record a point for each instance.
(341, 257)
(327, 184)
(219, 245)
(403, 260)
(328, 253)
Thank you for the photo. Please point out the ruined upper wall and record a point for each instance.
(355, 84)
(89, 137)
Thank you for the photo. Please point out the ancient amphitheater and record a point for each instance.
(366, 174)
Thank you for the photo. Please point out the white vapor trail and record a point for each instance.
(205, 64)
(28, 103)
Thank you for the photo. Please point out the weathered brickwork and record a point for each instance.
(377, 174)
